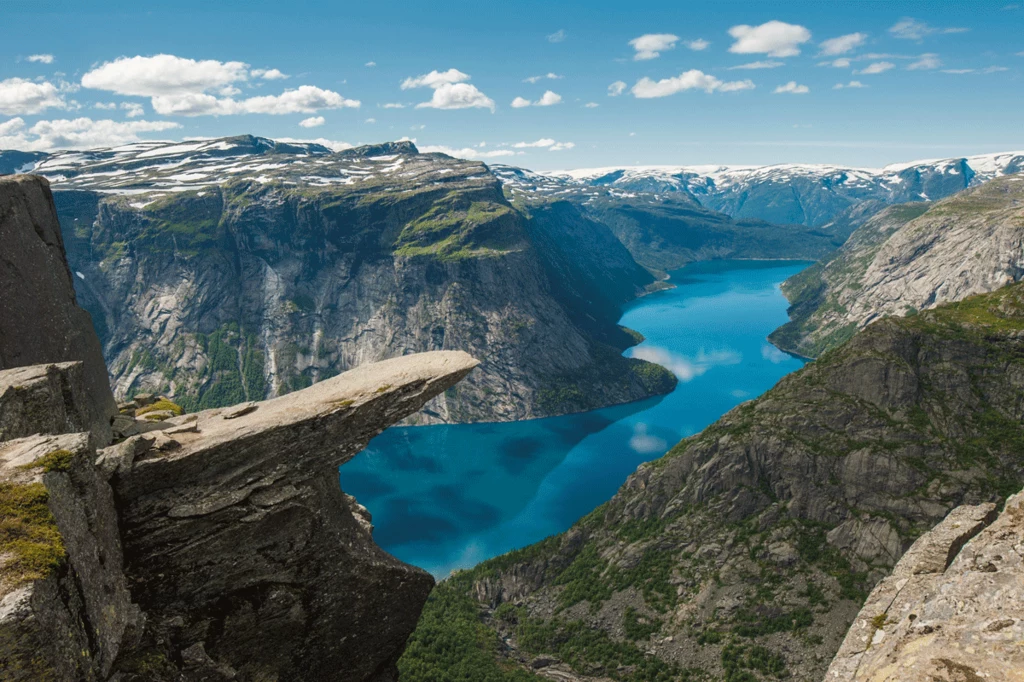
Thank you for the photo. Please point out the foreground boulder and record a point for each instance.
(213, 546)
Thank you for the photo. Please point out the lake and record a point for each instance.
(449, 496)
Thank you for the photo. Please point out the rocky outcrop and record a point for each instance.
(749, 548)
(239, 269)
(39, 319)
(213, 546)
(951, 611)
(909, 258)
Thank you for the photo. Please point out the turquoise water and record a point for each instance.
(447, 497)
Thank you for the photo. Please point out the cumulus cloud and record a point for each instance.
(774, 38)
(876, 67)
(925, 62)
(19, 96)
(697, 45)
(617, 88)
(305, 99)
(187, 87)
(791, 88)
(537, 79)
(40, 58)
(841, 63)
(558, 36)
(520, 102)
(467, 152)
(132, 109)
(767, 64)
(686, 368)
(644, 443)
(842, 44)
(912, 29)
(851, 84)
(79, 133)
(651, 45)
(547, 99)
(545, 143)
(312, 121)
(451, 91)
(268, 74)
(693, 79)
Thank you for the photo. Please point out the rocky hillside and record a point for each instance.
(812, 195)
(909, 258)
(747, 551)
(213, 546)
(664, 229)
(238, 269)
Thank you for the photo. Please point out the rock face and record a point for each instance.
(39, 319)
(239, 269)
(953, 608)
(218, 546)
(749, 548)
(909, 258)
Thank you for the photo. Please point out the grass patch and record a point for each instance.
(28, 533)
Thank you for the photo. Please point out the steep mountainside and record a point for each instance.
(666, 229)
(238, 269)
(908, 258)
(748, 549)
(801, 193)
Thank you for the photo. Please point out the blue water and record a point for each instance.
(447, 497)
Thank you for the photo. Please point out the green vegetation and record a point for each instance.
(456, 228)
(738, 660)
(638, 627)
(28, 533)
(58, 460)
(162, 405)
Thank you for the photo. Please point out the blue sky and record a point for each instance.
(633, 83)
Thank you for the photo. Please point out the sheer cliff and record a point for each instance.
(747, 551)
(908, 258)
(240, 269)
(217, 545)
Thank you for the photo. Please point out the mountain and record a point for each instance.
(812, 195)
(748, 549)
(218, 271)
(908, 258)
(665, 230)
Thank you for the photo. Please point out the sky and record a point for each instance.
(543, 85)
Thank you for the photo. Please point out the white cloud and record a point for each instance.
(617, 88)
(370, 120)
(558, 36)
(451, 91)
(989, 69)
(651, 45)
(435, 79)
(686, 368)
(1020, 54)
(25, 97)
(841, 63)
(591, 105)
(768, 64)
(466, 152)
(773, 354)
(912, 29)
(851, 84)
(520, 102)
(392, 105)
(791, 88)
(537, 79)
(645, 444)
(994, 69)
(106, 106)
(305, 99)
(543, 142)
(312, 121)
(80, 133)
(875, 68)
(697, 45)
(561, 146)
(163, 74)
(925, 62)
(842, 44)
(958, 71)
(370, 64)
(774, 38)
(132, 109)
(548, 98)
(40, 58)
(268, 74)
(693, 79)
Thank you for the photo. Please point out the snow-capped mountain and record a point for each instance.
(786, 193)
